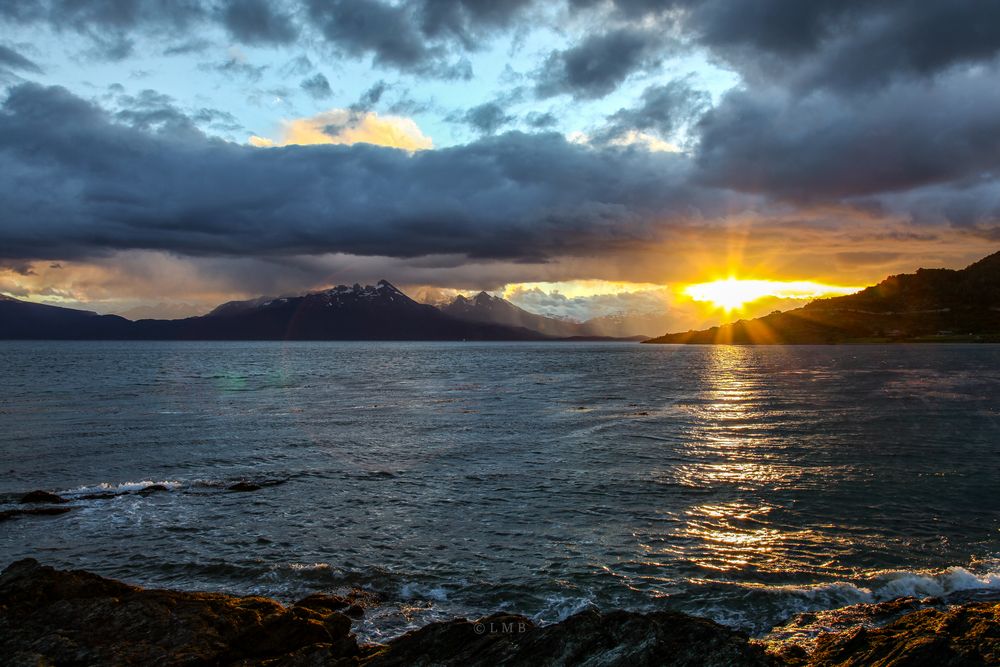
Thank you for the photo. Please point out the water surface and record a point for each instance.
(742, 483)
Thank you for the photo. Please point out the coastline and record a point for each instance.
(50, 616)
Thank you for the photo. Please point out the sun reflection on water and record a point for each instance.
(729, 456)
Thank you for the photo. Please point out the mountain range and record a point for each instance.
(371, 312)
(931, 305)
(485, 307)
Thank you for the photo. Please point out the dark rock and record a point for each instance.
(244, 486)
(52, 617)
(151, 489)
(6, 515)
(49, 616)
(42, 497)
(966, 635)
(99, 496)
(612, 639)
(324, 602)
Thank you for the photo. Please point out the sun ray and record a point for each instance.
(733, 293)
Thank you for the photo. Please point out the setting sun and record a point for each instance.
(733, 293)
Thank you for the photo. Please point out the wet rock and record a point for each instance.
(52, 617)
(613, 639)
(151, 489)
(49, 616)
(7, 515)
(42, 497)
(324, 602)
(244, 486)
(965, 635)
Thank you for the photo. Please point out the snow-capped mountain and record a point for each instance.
(370, 312)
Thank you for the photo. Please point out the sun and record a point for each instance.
(733, 293)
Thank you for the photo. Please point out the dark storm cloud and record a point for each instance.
(468, 19)
(78, 184)
(823, 146)
(258, 22)
(844, 44)
(597, 65)
(317, 86)
(372, 26)
(662, 109)
(416, 36)
(11, 59)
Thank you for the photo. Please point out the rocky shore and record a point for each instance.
(54, 617)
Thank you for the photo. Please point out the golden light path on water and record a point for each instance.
(728, 447)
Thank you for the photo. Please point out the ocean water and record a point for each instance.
(740, 483)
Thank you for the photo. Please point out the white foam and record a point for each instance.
(307, 567)
(899, 584)
(410, 591)
(560, 607)
(122, 488)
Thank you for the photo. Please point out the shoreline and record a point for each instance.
(50, 616)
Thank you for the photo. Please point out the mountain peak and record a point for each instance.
(385, 285)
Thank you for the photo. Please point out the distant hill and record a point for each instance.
(927, 306)
(20, 319)
(379, 312)
(493, 309)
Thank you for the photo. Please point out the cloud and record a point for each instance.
(371, 97)
(317, 86)
(662, 110)
(599, 64)
(540, 120)
(836, 44)
(77, 183)
(236, 67)
(11, 59)
(551, 300)
(833, 44)
(258, 22)
(388, 32)
(824, 146)
(487, 118)
(343, 126)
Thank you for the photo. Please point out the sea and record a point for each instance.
(438, 480)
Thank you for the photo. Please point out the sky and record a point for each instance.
(581, 157)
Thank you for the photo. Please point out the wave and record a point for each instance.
(111, 489)
(877, 600)
(121, 488)
(940, 584)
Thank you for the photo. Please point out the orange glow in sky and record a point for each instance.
(733, 293)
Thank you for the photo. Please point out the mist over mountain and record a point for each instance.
(928, 305)
(485, 307)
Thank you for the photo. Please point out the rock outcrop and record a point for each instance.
(967, 635)
(53, 617)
